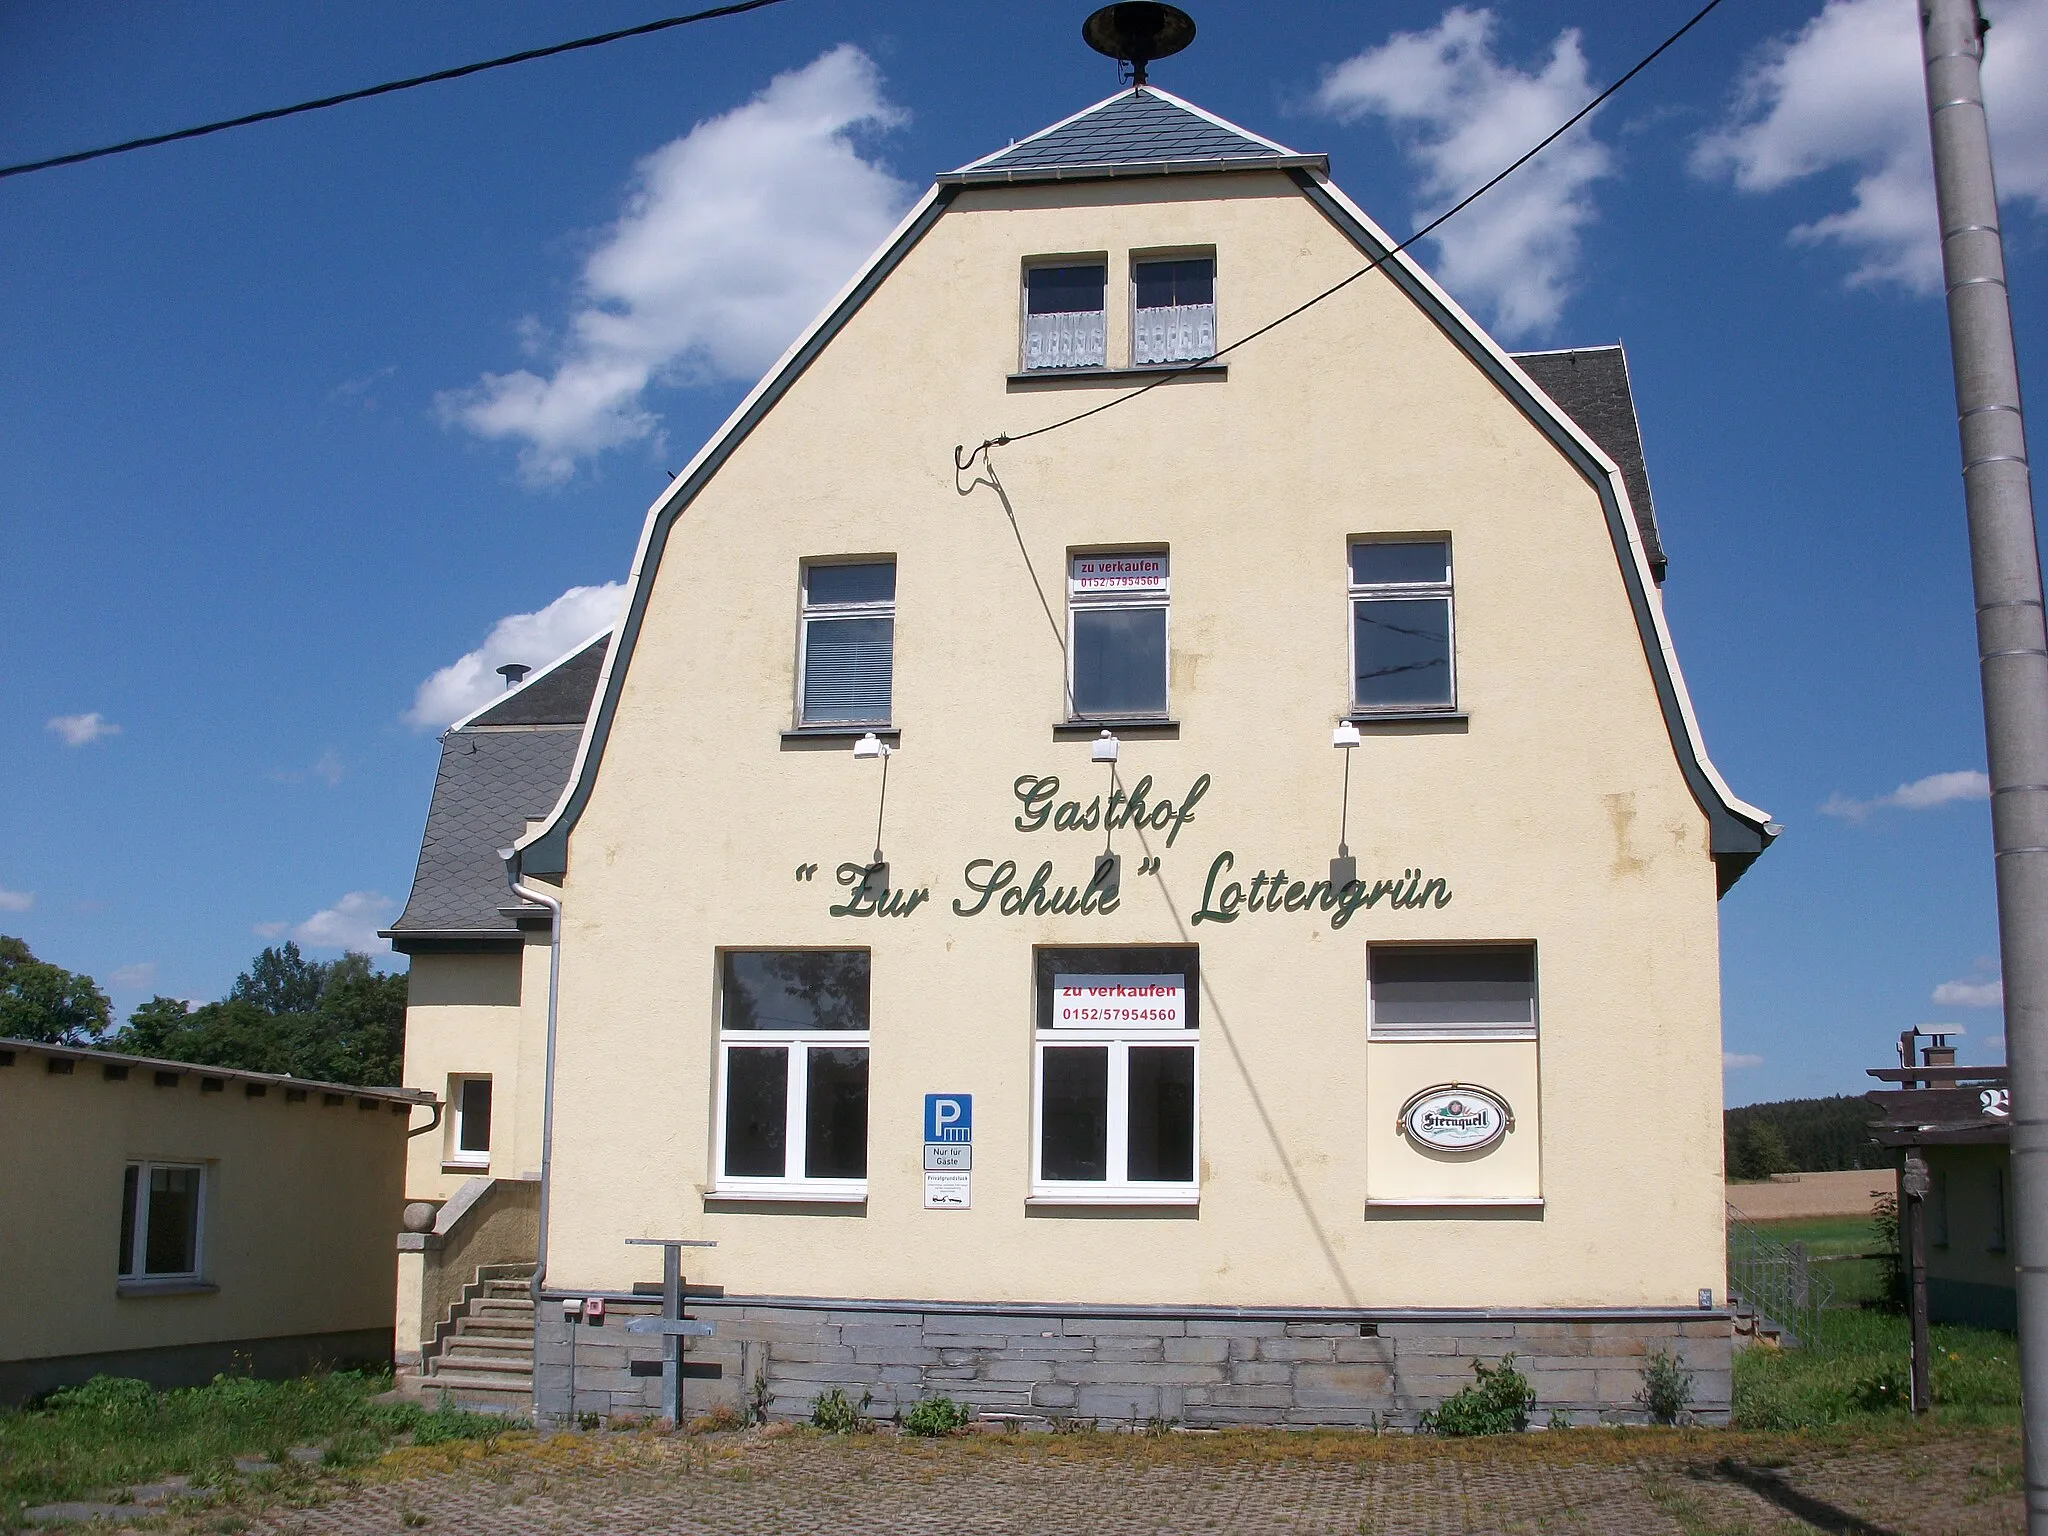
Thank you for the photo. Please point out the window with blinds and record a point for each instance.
(1173, 315)
(1444, 992)
(1064, 326)
(846, 658)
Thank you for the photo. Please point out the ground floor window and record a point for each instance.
(471, 1097)
(1452, 991)
(1116, 1075)
(793, 1073)
(160, 1221)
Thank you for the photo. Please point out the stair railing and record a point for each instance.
(1774, 1281)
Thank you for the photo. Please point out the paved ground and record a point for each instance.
(1907, 1483)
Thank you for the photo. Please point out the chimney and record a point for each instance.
(514, 673)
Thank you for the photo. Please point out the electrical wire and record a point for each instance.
(1004, 439)
(457, 73)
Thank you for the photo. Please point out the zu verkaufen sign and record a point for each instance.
(1000, 887)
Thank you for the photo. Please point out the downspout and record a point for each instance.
(547, 1098)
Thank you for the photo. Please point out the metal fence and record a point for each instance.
(1774, 1281)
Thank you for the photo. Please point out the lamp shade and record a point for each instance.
(1345, 736)
(869, 745)
(1105, 748)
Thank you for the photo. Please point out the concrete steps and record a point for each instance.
(487, 1363)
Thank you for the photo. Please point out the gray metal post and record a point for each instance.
(2012, 649)
(1913, 1240)
(671, 1345)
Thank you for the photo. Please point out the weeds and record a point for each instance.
(1667, 1387)
(1497, 1403)
(936, 1416)
(1855, 1367)
(836, 1413)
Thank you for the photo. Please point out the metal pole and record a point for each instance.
(671, 1346)
(1913, 1230)
(2012, 650)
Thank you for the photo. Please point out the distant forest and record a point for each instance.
(1801, 1136)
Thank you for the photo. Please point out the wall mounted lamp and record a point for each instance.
(1344, 868)
(875, 880)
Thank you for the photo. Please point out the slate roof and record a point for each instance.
(1591, 385)
(1142, 130)
(498, 767)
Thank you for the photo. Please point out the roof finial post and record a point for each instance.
(1135, 32)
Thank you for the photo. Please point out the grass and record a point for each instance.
(1859, 1359)
(91, 1442)
(1824, 1236)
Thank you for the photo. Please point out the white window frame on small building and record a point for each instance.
(815, 611)
(1091, 590)
(1420, 593)
(1181, 333)
(137, 1196)
(798, 1044)
(1049, 345)
(1117, 1039)
(460, 1117)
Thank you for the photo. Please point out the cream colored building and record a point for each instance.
(1350, 1066)
(171, 1222)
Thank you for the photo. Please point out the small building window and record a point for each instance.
(1937, 1210)
(1173, 310)
(1997, 1243)
(1116, 1064)
(471, 1142)
(1063, 316)
(793, 1072)
(160, 1221)
(1440, 992)
(847, 649)
(1116, 635)
(1401, 656)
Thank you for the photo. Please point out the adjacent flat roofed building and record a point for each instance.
(1207, 914)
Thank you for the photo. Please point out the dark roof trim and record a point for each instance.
(1733, 838)
(233, 1074)
(473, 941)
(1103, 171)
(548, 854)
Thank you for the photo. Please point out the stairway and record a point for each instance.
(486, 1364)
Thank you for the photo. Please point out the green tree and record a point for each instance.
(46, 1003)
(1759, 1152)
(281, 980)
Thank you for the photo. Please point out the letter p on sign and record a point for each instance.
(949, 1117)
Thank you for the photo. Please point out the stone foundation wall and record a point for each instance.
(1126, 1367)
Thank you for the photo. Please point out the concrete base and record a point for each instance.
(192, 1365)
(1131, 1366)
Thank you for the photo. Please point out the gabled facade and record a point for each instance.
(1338, 1054)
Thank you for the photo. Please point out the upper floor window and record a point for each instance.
(1116, 1048)
(160, 1221)
(1401, 657)
(847, 649)
(1116, 634)
(1446, 992)
(1064, 325)
(1173, 317)
(471, 1142)
(793, 1072)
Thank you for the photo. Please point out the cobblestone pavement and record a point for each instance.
(1943, 1483)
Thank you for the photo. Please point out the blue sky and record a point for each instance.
(294, 417)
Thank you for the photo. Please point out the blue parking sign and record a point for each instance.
(949, 1117)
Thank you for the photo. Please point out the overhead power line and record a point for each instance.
(457, 73)
(1374, 265)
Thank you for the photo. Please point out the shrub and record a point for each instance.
(836, 1413)
(722, 1419)
(1886, 1388)
(1497, 1403)
(1667, 1387)
(1884, 1216)
(936, 1416)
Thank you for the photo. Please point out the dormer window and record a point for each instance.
(1063, 316)
(1173, 310)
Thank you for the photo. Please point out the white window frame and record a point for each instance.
(1404, 1035)
(1078, 602)
(138, 1235)
(1116, 1187)
(456, 1156)
(1445, 590)
(807, 611)
(800, 1043)
(1143, 258)
(1034, 263)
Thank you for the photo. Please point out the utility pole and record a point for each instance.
(2012, 650)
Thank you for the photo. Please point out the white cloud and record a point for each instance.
(1464, 116)
(732, 238)
(1970, 994)
(532, 639)
(351, 923)
(16, 901)
(328, 768)
(1846, 92)
(134, 977)
(83, 730)
(1734, 1061)
(1920, 795)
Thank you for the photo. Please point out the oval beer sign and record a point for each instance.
(1456, 1117)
